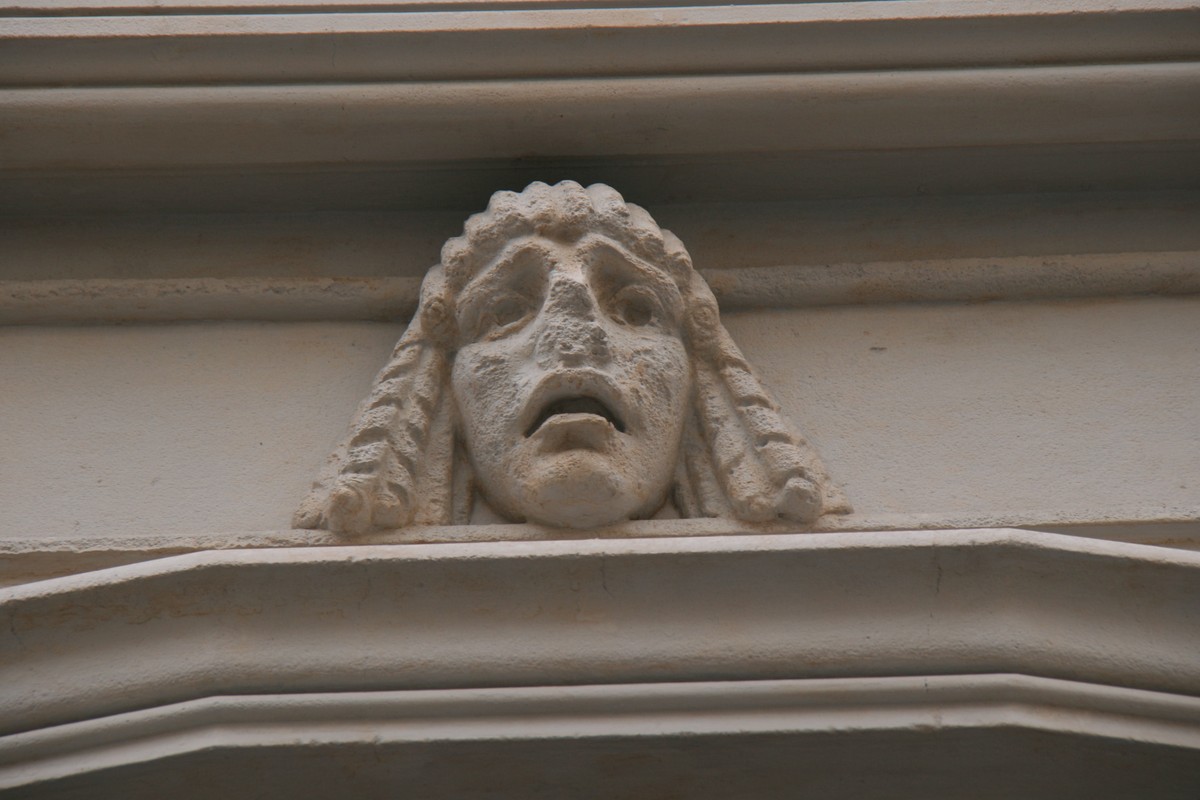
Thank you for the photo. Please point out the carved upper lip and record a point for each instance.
(576, 391)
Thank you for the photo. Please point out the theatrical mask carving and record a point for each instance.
(567, 366)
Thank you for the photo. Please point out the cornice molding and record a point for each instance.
(772, 607)
(30, 558)
(838, 97)
(314, 726)
(215, 127)
(206, 43)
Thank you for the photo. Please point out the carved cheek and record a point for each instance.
(657, 376)
(488, 387)
(486, 369)
(667, 371)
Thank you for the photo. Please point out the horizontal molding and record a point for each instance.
(72, 8)
(105, 301)
(959, 280)
(25, 559)
(76, 8)
(811, 177)
(161, 128)
(308, 724)
(119, 301)
(215, 43)
(197, 106)
(377, 617)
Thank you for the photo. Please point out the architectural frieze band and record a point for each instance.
(131, 300)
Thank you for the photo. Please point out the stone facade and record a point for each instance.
(916, 515)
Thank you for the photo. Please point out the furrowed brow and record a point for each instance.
(500, 269)
(656, 278)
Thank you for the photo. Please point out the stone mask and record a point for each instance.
(567, 367)
(571, 381)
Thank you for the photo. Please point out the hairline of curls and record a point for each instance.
(563, 212)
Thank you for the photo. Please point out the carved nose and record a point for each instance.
(571, 297)
(571, 334)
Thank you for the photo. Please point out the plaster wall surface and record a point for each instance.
(1081, 411)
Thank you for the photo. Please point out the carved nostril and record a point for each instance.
(598, 344)
(583, 346)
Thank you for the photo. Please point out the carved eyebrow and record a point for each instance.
(657, 278)
(501, 268)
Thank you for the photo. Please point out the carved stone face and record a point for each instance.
(578, 344)
(572, 381)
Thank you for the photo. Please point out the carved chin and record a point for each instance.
(580, 490)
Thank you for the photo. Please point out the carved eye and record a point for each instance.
(636, 306)
(504, 315)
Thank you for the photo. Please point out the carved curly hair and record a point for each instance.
(396, 467)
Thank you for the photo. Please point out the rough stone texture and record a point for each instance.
(566, 366)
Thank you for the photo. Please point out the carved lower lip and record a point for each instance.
(581, 404)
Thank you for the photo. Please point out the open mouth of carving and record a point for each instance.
(576, 405)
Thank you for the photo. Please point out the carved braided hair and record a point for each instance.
(767, 469)
(371, 480)
(388, 473)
